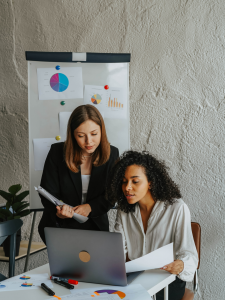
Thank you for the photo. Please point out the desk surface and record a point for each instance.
(152, 280)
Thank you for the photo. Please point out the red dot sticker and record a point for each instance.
(106, 87)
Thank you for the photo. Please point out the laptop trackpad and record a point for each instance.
(132, 276)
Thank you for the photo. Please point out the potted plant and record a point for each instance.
(15, 209)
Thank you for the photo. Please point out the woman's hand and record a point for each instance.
(64, 212)
(175, 267)
(83, 209)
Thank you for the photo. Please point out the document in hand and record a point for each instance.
(154, 260)
(48, 196)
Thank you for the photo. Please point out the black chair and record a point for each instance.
(10, 228)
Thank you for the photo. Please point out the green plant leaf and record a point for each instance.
(15, 188)
(21, 196)
(25, 213)
(2, 216)
(18, 205)
(22, 208)
(16, 217)
(5, 212)
(5, 195)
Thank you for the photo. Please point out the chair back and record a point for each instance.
(196, 231)
(10, 228)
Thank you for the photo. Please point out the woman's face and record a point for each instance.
(135, 184)
(88, 136)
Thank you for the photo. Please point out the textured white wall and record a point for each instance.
(177, 95)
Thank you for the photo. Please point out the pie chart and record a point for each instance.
(26, 284)
(24, 277)
(96, 99)
(120, 294)
(2, 286)
(59, 82)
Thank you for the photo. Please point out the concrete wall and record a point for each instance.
(177, 95)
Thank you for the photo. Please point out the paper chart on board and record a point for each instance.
(112, 102)
(25, 282)
(130, 292)
(41, 149)
(66, 83)
(154, 260)
(63, 122)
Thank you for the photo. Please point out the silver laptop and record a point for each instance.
(89, 256)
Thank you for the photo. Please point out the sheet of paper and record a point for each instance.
(25, 282)
(130, 292)
(41, 149)
(65, 83)
(153, 260)
(88, 297)
(111, 102)
(63, 122)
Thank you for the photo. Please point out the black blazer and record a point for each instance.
(66, 185)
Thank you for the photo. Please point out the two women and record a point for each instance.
(151, 214)
(76, 172)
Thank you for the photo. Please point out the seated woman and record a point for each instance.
(76, 171)
(151, 214)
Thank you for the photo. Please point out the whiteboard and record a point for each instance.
(44, 115)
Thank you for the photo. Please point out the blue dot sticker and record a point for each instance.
(57, 67)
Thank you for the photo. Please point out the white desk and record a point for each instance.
(153, 281)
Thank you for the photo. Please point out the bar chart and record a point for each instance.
(114, 103)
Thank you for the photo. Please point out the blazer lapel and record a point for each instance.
(76, 178)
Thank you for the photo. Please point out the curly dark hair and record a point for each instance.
(163, 188)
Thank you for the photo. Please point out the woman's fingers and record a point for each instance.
(65, 212)
(175, 267)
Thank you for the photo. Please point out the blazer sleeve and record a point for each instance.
(184, 244)
(100, 205)
(50, 182)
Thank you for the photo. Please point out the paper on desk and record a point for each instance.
(88, 297)
(25, 282)
(131, 292)
(154, 260)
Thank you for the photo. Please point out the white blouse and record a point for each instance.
(165, 225)
(85, 182)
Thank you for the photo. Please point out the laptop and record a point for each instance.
(86, 255)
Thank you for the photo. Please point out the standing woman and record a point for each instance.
(76, 172)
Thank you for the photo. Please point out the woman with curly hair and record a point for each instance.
(151, 214)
